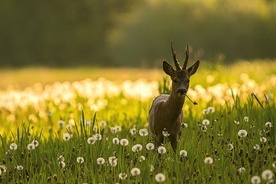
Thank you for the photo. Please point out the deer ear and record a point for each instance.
(168, 69)
(192, 69)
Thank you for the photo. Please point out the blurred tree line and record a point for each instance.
(72, 33)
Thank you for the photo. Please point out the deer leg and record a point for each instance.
(174, 141)
(159, 140)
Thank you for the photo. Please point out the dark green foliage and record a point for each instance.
(128, 33)
(56, 33)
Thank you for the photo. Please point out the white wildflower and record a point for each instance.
(135, 171)
(160, 177)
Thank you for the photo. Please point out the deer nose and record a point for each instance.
(181, 91)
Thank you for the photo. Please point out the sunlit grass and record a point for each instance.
(95, 130)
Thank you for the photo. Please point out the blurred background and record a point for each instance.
(124, 33)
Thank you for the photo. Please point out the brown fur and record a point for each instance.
(166, 110)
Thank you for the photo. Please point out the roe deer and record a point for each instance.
(166, 110)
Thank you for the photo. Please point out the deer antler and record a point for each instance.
(187, 58)
(174, 59)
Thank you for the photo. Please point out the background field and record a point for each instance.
(59, 117)
(134, 33)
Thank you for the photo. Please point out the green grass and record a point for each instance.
(46, 112)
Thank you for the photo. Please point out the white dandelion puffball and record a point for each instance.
(160, 177)
(149, 146)
(205, 122)
(61, 164)
(13, 146)
(19, 167)
(143, 132)
(115, 140)
(208, 160)
(183, 153)
(137, 148)
(100, 161)
(31, 146)
(66, 136)
(242, 133)
(122, 176)
(124, 142)
(267, 175)
(91, 140)
(255, 179)
(135, 171)
(161, 150)
(80, 160)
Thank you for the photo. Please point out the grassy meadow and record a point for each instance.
(90, 126)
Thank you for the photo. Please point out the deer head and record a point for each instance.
(180, 76)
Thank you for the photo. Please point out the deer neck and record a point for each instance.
(175, 104)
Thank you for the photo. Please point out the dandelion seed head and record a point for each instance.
(66, 136)
(113, 161)
(160, 177)
(80, 160)
(183, 153)
(13, 146)
(204, 128)
(61, 123)
(103, 124)
(113, 130)
(91, 140)
(118, 128)
(208, 160)
(133, 131)
(205, 111)
(161, 150)
(137, 148)
(242, 133)
(143, 132)
(256, 147)
(135, 171)
(255, 179)
(19, 167)
(142, 158)
(211, 109)
(124, 142)
(3, 168)
(149, 146)
(61, 158)
(241, 169)
(98, 137)
(267, 175)
(31, 146)
(184, 125)
(237, 122)
(230, 147)
(268, 125)
(61, 164)
(115, 140)
(35, 142)
(101, 161)
(263, 139)
(246, 118)
(205, 122)
(165, 133)
(122, 176)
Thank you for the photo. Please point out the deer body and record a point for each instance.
(166, 111)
